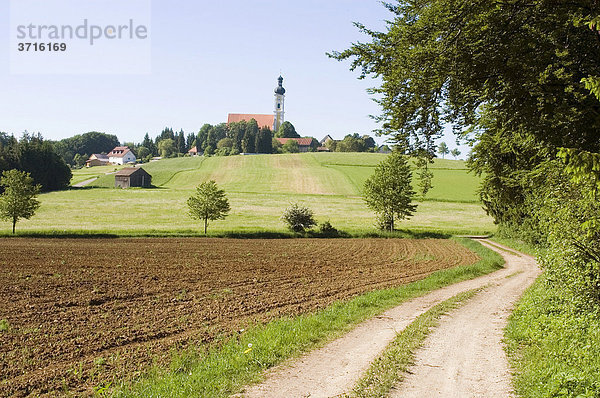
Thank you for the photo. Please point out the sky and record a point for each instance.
(207, 59)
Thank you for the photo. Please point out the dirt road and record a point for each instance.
(462, 358)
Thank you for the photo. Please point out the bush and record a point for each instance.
(298, 218)
(327, 229)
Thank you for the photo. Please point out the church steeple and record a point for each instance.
(279, 105)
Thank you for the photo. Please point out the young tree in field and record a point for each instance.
(299, 218)
(455, 152)
(209, 203)
(388, 191)
(443, 149)
(18, 199)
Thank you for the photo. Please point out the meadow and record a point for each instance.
(259, 188)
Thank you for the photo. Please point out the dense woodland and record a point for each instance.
(37, 157)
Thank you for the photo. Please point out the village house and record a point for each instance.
(132, 177)
(121, 155)
(194, 151)
(97, 159)
(325, 140)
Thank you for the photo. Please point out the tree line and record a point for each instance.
(36, 156)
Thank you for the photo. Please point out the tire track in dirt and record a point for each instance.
(334, 369)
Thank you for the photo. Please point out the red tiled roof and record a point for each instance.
(193, 150)
(262, 120)
(306, 141)
(119, 152)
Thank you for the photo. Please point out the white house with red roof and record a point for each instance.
(121, 155)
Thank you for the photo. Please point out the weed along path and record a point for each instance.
(462, 358)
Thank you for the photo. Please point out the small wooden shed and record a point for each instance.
(132, 177)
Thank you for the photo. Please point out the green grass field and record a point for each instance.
(259, 189)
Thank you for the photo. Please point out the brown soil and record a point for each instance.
(85, 312)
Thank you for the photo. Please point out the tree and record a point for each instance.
(455, 153)
(167, 148)
(443, 149)
(287, 130)
(264, 141)
(351, 143)
(148, 143)
(388, 191)
(291, 147)
(19, 197)
(38, 157)
(498, 74)
(249, 139)
(85, 144)
(180, 142)
(209, 203)
(143, 152)
(299, 218)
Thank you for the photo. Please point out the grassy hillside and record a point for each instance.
(259, 188)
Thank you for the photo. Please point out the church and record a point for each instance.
(271, 121)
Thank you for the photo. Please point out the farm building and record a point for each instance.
(132, 177)
(97, 159)
(304, 144)
(121, 155)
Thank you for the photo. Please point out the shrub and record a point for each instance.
(327, 229)
(298, 218)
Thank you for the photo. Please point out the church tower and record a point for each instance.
(279, 103)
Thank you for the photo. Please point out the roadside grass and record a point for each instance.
(389, 368)
(225, 368)
(517, 244)
(553, 345)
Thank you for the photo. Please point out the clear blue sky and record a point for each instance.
(209, 59)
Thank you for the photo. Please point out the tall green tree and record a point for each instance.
(443, 149)
(208, 204)
(180, 142)
(264, 140)
(388, 192)
(287, 130)
(455, 153)
(148, 143)
(250, 134)
(167, 148)
(19, 197)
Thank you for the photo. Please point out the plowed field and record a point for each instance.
(83, 312)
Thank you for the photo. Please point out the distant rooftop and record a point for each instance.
(262, 120)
